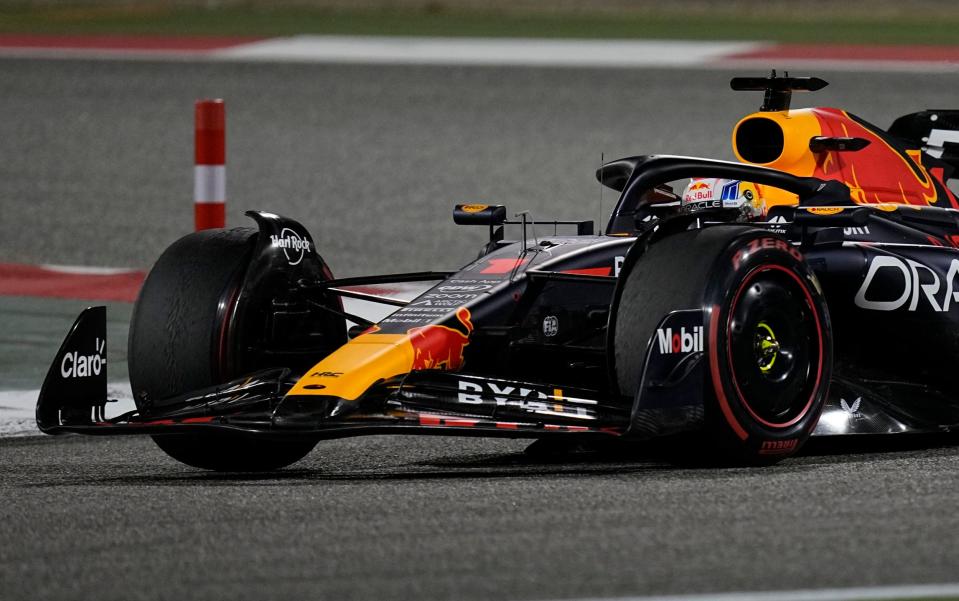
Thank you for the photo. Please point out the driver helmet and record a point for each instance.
(715, 193)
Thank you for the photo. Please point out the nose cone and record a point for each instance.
(356, 366)
(350, 370)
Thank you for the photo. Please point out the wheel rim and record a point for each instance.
(774, 346)
(766, 347)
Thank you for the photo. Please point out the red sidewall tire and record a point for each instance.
(761, 288)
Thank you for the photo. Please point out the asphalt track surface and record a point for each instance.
(445, 518)
(97, 169)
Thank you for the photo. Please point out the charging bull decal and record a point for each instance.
(887, 170)
(375, 356)
(441, 347)
(884, 171)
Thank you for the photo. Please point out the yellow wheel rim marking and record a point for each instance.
(767, 345)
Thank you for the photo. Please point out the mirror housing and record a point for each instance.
(476, 214)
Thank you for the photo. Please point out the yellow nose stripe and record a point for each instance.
(357, 365)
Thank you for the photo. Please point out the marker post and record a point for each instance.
(209, 172)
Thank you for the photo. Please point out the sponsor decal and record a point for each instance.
(458, 296)
(852, 410)
(490, 281)
(441, 347)
(700, 195)
(856, 231)
(464, 288)
(718, 193)
(888, 207)
(704, 204)
(326, 374)
(682, 341)
(824, 210)
(778, 447)
(473, 208)
(700, 190)
(883, 172)
(758, 244)
(406, 320)
(448, 295)
(937, 140)
(474, 393)
(294, 246)
(431, 302)
(550, 326)
(730, 191)
(618, 265)
(75, 365)
(915, 284)
(527, 399)
(777, 224)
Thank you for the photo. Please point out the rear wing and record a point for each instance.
(935, 131)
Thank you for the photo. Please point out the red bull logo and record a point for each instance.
(699, 189)
(882, 172)
(353, 368)
(441, 347)
(886, 170)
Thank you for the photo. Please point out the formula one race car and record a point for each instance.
(810, 289)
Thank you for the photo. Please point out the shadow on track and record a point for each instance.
(679, 457)
(451, 469)
(831, 446)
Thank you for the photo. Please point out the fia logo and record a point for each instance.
(550, 326)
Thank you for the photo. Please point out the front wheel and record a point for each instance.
(178, 343)
(770, 346)
(767, 333)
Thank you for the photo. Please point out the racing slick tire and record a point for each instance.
(175, 346)
(768, 339)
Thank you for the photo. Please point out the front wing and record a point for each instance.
(73, 399)
(419, 401)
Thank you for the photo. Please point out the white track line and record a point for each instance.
(88, 270)
(486, 51)
(498, 52)
(877, 593)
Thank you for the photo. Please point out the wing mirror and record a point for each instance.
(490, 215)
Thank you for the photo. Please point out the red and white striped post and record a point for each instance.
(209, 172)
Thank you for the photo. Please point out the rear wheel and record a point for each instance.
(185, 334)
(767, 333)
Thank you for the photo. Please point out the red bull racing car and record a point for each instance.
(809, 289)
